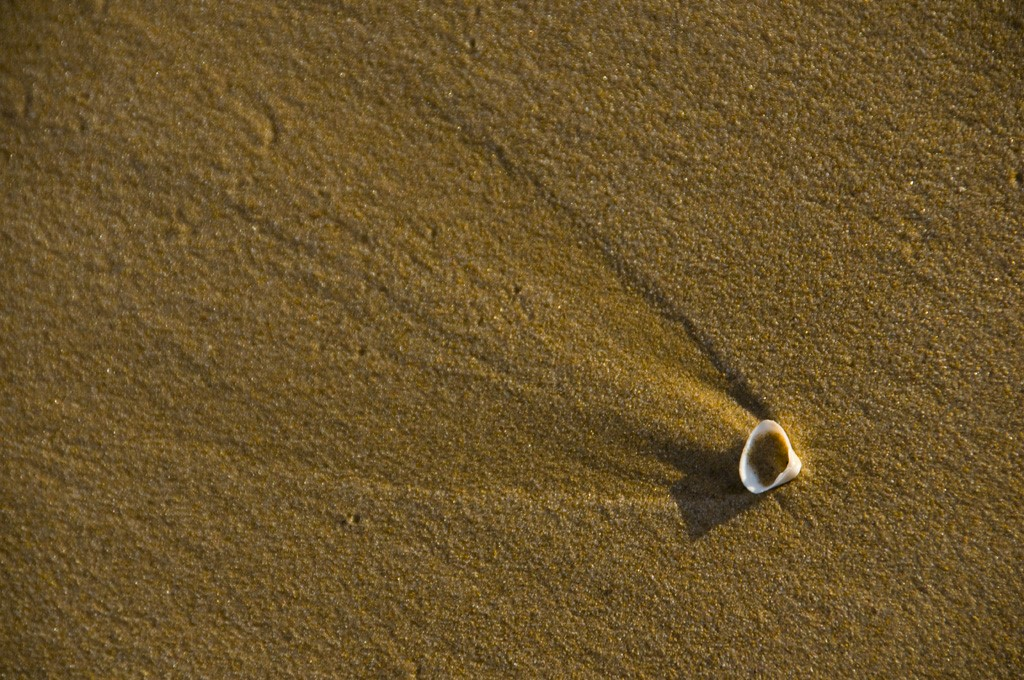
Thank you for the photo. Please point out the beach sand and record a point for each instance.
(402, 339)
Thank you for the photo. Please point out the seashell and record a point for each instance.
(768, 459)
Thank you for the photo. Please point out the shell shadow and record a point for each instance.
(710, 492)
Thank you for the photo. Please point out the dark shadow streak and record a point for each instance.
(710, 492)
(738, 387)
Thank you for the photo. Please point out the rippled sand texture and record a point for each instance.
(389, 339)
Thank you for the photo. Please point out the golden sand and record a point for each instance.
(381, 339)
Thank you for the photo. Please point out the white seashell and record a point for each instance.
(766, 449)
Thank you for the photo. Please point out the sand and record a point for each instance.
(397, 339)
